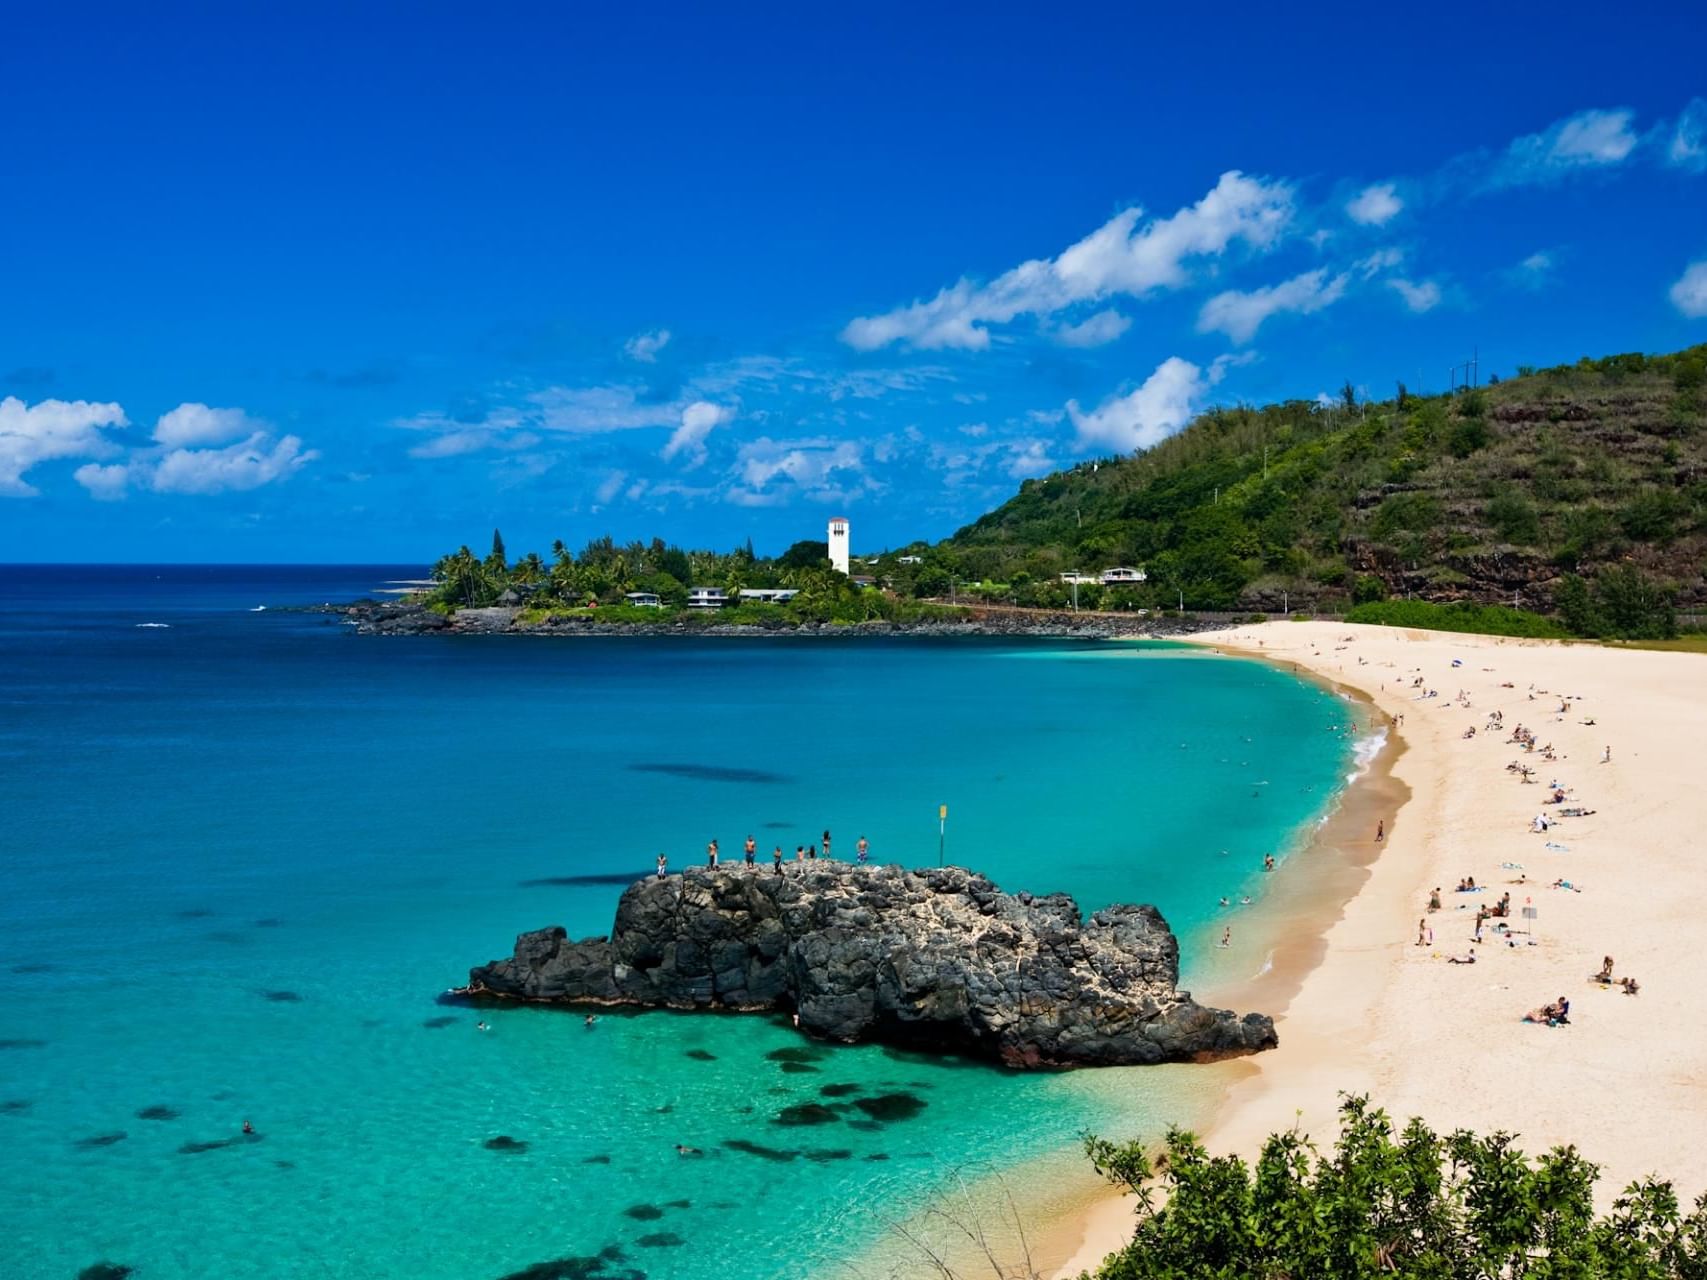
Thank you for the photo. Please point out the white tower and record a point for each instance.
(839, 543)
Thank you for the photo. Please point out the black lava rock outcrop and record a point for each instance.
(938, 959)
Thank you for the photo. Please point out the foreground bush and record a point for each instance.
(1417, 1204)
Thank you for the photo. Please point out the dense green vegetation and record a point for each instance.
(1412, 1204)
(604, 573)
(1482, 619)
(1579, 491)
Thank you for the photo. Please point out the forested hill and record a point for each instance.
(1566, 488)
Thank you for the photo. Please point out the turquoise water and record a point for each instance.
(245, 850)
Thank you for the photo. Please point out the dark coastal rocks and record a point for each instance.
(938, 960)
(399, 617)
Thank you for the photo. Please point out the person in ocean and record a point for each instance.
(248, 1128)
(1268, 862)
(863, 848)
(752, 850)
(588, 1024)
(662, 863)
(481, 1026)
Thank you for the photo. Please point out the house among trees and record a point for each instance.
(644, 599)
(707, 597)
(1122, 575)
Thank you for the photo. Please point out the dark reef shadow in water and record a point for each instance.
(660, 1240)
(504, 1142)
(15, 1106)
(157, 1113)
(196, 1148)
(596, 1267)
(100, 1140)
(643, 1212)
(445, 1020)
(105, 1271)
(195, 913)
(282, 997)
(570, 882)
(35, 966)
(709, 772)
(23, 1044)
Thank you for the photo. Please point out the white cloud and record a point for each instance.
(818, 468)
(1148, 415)
(1588, 140)
(1121, 257)
(1240, 314)
(645, 347)
(196, 424)
(248, 464)
(47, 430)
(1419, 295)
(1028, 458)
(1375, 205)
(1534, 271)
(610, 486)
(1689, 294)
(108, 483)
(698, 419)
(1094, 331)
(1687, 148)
(453, 444)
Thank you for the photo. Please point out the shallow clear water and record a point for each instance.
(244, 851)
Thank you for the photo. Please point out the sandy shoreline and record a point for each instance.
(1361, 1008)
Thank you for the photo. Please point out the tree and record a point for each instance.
(805, 555)
(1412, 1204)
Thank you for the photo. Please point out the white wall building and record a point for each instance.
(838, 540)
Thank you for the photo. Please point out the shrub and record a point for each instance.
(1408, 1204)
(1481, 619)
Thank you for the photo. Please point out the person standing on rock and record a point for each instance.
(776, 859)
(863, 848)
(711, 855)
(752, 850)
(663, 862)
(826, 844)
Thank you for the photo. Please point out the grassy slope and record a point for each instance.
(1469, 498)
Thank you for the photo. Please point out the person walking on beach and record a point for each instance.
(662, 863)
(1380, 831)
(1227, 936)
(752, 850)
(1606, 758)
(863, 848)
(711, 854)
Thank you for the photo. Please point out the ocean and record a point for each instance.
(245, 850)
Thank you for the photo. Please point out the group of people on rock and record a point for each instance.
(750, 854)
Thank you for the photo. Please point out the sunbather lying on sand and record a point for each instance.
(1554, 1015)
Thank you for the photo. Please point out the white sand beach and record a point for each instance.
(1365, 1009)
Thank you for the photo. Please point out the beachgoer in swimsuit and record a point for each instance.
(826, 844)
(863, 848)
(711, 854)
(248, 1128)
(752, 850)
(662, 863)
(1380, 831)
(776, 859)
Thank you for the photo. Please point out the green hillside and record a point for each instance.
(1579, 491)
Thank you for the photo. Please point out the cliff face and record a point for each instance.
(938, 959)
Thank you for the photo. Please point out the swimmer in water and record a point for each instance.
(688, 1151)
(248, 1128)
(588, 1024)
(481, 1026)
(1225, 903)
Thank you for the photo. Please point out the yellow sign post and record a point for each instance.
(941, 831)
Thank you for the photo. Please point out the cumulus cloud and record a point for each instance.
(1375, 205)
(769, 472)
(1094, 331)
(196, 424)
(1239, 314)
(1534, 271)
(610, 486)
(1588, 140)
(106, 482)
(1027, 458)
(247, 464)
(698, 419)
(48, 430)
(1148, 415)
(1125, 256)
(1687, 147)
(1689, 294)
(1419, 295)
(645, 347)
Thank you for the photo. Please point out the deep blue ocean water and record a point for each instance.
(243, 851)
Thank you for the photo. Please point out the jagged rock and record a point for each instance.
(937, 959)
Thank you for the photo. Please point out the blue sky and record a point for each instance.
(360, 282)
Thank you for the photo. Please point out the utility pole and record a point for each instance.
(1285, 604)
